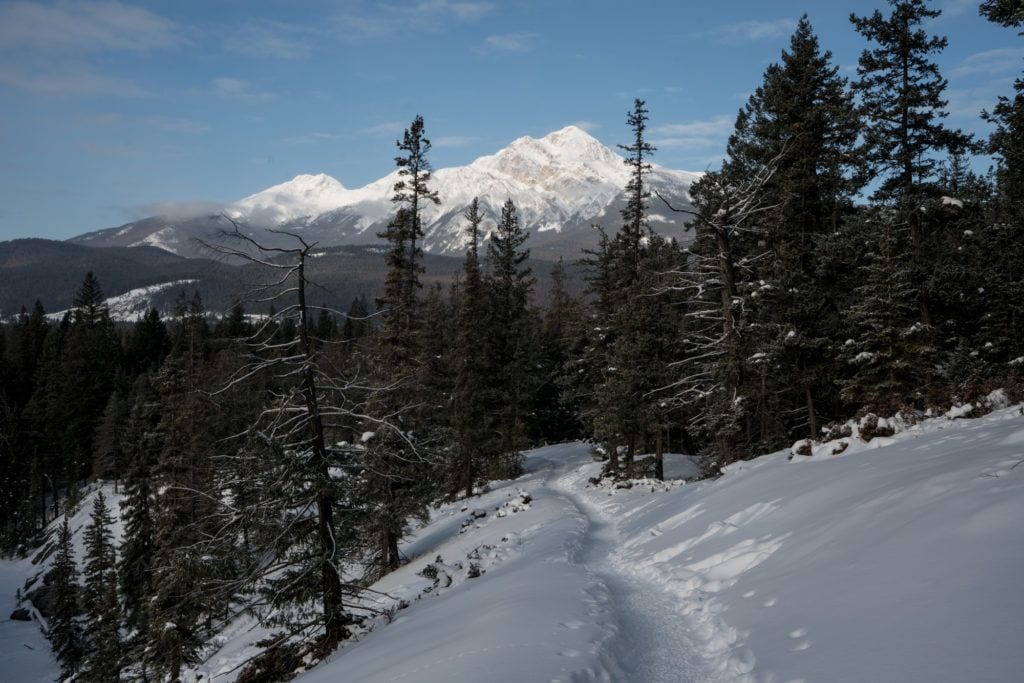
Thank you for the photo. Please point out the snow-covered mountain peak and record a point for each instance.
(304, 195)
(546, 162)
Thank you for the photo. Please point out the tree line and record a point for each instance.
(846, 259)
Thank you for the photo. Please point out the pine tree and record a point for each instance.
(802, 121)
(512, 346)
(1003, 231)
(471, 419)
(102, 606)
(142, 442)
(396, 462)
(90, 360)
(901, 97)
(108, 454)
(890, 352)
(65, 628)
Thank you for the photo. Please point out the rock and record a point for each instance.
(21, 614)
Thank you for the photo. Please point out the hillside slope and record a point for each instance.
(898, 560)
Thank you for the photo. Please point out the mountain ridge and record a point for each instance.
(562, 184)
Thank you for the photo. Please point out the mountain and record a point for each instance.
(561, 183)
(137, 278)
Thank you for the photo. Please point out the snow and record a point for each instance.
(897, 559)
(952, 201)
(24, 652)
(565, 177)
(132, 305)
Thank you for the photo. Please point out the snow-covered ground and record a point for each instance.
(901, 560)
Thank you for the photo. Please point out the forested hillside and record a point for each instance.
(850, 274)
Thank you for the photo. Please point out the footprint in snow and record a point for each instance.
(750, 594)
(770, 602)
(801, 646)
(572, 625)
(798, 633)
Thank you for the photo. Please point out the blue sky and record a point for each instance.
(110, 111)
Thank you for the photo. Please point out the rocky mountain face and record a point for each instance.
(562, 184)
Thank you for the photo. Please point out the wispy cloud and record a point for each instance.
(990, 62)
(754, 30)
(161, 123)
(83, 27)
(953, 8)
(588, 126)
(272, 39)
(509, 42)
(453, 141)
(108, 149)
(68, 81)
(311, 138)
(705, 133)
(238, 89)
(385, 128)
(174, 210)
(389, 20)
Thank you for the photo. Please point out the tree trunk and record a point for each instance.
(331, 595)
(659, 460)
(812, 418)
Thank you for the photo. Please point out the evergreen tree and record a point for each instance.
(395, 480)
(890, 351)
(90, 361)
(108, 453)
(472, 391)
(511, 343)
(102, 607)
(142, 442)
(801, 120)
(65, 628)
(901, 97)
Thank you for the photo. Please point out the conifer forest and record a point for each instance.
(849, 273)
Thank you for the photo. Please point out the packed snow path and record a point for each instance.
(24, 652)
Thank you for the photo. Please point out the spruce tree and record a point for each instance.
(471, 417)
(901, 91)
(396, 463)
(802, 121)
(890, 352)
(65, 628)
(102, 606)
(511, 345)
(142, 442)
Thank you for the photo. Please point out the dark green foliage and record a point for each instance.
(512, 347)
(143, 441)
(901, 95)
(890, 350)
(102, 607)
(65, 628)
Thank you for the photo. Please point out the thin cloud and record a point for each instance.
(173, 210)
(391, 20)
(453, 141)
(173, 125)
(69, 82)
(113, 150)
(694, 134)
(754, 30)
(385, 128)
(272, 39)
(953, 8)
(238, 89)
(510, 42)
(588, 126)
(311, 138)
(83, 27)
(1001, 60)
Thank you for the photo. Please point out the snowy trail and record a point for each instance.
(24, 652)
(654, 641)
